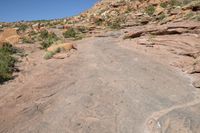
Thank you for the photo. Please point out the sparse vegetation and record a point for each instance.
(115, 25)
(189, 15)
(47, 39)
(27, 40)
(82, 29)
(161, 16)
(76, 34)
(164, 4)
(99, 22)
(70, 33)
(128, 10)
(150, 10)
(7, 61)
(22, 28)
(50, 54)
(175, 3)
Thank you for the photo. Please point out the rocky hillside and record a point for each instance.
(122, 13)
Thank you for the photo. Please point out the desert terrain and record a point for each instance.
(120, 67)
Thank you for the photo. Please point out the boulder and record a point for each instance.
(134, 34)
(9, 35)
(63, 47)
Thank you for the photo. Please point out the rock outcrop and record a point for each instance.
(9, 35)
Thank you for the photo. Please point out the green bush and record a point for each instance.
(82, 29)
(150, 10)
(47, 43)
(161, 16)
(47, 39)
(163, 4)
(175, 3)
(22, 28)
(8, 48)
(75, 33)
(50, 54)
(7, 62)
(27, 40)
(70, 33)
(189, 15)
(99, 22)
(115, 25)
(44, 34)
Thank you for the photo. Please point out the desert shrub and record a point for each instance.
(7, 62)
(44, 34)
(47, 43)
(189, 15)
(163, 4)
(150, 10)
(115, 25)
(47, 39)
(50, 54)
(70, 33)
(82, 29)
(8, 48)
(22, 28)
(75, 33)
(27, 40)
(161, 16)
(129, 9)
(175, 3)
(99, 22)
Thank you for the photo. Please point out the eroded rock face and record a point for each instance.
(168, 29)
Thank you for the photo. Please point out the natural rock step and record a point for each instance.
(168, 29)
